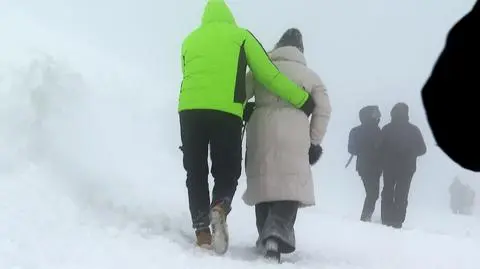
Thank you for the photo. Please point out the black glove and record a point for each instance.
(248, 111)
(309, 106)
(314, 153)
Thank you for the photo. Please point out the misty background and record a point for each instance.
(88, 94)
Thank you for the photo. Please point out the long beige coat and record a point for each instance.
(279, 136)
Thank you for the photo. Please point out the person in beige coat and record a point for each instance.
(282, 144)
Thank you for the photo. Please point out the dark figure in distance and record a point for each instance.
(401, 144)
(462, 197)
(363, 143)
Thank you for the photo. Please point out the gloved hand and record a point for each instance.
(314, 153)
(309, 106)
(248, 111)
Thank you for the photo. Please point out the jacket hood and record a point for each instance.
(217, 11)
(399, 113)
(288, 53)
(369, 114)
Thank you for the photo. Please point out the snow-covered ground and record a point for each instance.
(43, 227)
(90, 171)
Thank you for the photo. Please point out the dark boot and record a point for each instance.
(271, 247)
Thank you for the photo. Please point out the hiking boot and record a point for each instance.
(204, 238)
(219, 228)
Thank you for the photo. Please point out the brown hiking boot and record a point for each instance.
(204, 238)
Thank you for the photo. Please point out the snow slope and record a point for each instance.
(91, 175)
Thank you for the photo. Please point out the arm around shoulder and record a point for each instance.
(268, 75)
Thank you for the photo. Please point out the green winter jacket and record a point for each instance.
(215, 57)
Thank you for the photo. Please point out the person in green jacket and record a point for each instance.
(215, 57)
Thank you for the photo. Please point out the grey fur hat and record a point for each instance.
(292, 37)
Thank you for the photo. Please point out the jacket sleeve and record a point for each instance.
(321, 114)
(420, 148)
(269, 76)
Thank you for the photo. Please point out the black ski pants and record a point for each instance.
(372, 188)
(222, 132)
(396, 187)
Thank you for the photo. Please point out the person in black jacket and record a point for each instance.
(362, 143)
(450, 93)
(401, 144)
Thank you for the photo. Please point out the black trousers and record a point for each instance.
(372, 188)
(276, 220)
(222, 132)
(396, 187)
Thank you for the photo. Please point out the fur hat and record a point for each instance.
(292, 37)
